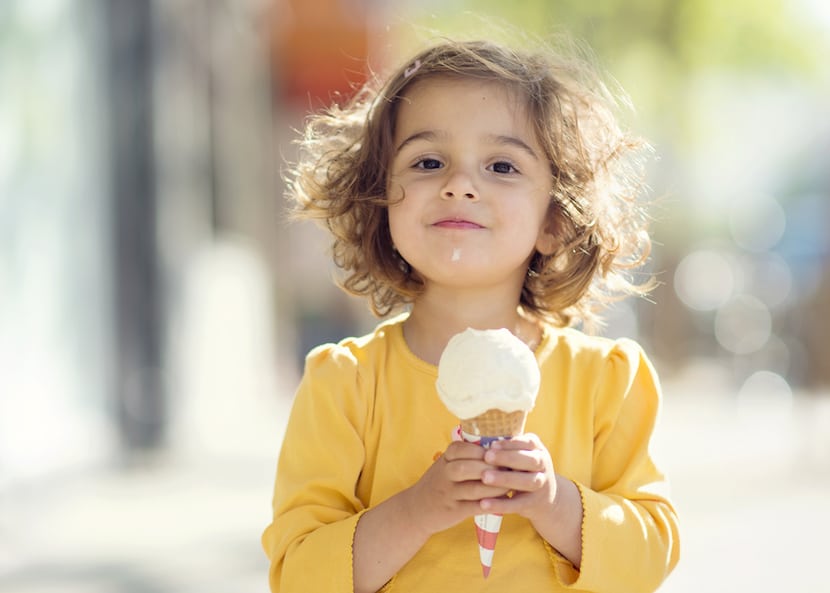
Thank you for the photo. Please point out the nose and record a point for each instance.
(459, 185)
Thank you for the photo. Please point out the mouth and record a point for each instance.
(456, 223)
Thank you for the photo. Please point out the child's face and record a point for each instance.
(475, 181)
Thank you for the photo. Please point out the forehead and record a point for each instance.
(459, 99)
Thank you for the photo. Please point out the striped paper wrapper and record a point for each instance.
(493, 425)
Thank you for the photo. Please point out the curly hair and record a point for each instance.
(597, 170)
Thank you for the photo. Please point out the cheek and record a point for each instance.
(398, 223)
(394, 195)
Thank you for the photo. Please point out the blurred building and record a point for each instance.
(147, 266)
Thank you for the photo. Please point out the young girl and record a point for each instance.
(488, 188)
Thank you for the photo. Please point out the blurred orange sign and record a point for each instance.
(319, 49)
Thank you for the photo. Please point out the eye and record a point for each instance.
(428, 164)
(503, 168)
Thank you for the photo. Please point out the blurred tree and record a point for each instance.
(740, 34)
(656, 47)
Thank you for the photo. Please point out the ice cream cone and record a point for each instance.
(489, 379)
(495, 423)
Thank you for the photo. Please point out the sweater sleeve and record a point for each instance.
(630, 539)
(316, 509)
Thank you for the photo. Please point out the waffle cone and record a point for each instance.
(496, 423)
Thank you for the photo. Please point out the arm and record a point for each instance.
(630, 531)
(316, 508)
(386, 538)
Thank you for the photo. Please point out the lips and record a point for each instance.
(456, 223)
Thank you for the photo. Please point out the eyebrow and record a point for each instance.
(431, 136)
(427, 135)
(513, 141)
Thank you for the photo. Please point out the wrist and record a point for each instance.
(563, 485)
(561, 527)
(559, 507)
(412, 519)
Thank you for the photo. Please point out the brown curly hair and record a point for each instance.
(597, 171)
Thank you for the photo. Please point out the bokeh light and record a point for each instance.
(757, 225)
(743, 325)
(770, 279)
(764, 392)
(704, 280)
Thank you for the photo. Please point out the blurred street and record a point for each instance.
(751, 485)
(752, 489)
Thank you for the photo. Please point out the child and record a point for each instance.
(479, 187)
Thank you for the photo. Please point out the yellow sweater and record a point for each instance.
(367, 421)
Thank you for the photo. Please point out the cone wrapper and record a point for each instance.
(493, 425)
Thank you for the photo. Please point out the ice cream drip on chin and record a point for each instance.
(456, 254)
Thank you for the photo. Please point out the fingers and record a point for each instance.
(524, 456)
(468, 485)
(512, 476)
(524, 441)
(462, 450)
(525, 491)
(524, 480)
(475, 491)
(463, 464)
(523, 461)
(521, 464)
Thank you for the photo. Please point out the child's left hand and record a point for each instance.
(551, 502)
(523, 465)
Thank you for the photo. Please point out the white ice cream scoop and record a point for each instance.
(482, 370)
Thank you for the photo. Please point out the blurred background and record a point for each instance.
(155, 305)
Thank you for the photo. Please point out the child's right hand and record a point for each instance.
(450, 490)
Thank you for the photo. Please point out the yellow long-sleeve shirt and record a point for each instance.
(367, 422)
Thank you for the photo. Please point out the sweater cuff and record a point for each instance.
(566, 573)
(597, 512)
(351, 525)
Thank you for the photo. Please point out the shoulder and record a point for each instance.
(355, 353)
(604, 360)
(339, 380)
(584, 347)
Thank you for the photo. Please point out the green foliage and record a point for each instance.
(689, 34)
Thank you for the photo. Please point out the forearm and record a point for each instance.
(562, 527)
(386, 538)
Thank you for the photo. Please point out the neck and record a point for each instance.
(437, 316)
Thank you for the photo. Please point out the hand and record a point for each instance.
(451, 489)
(522, 465)
(552, 503)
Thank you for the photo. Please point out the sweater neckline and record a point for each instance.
(394, 329)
